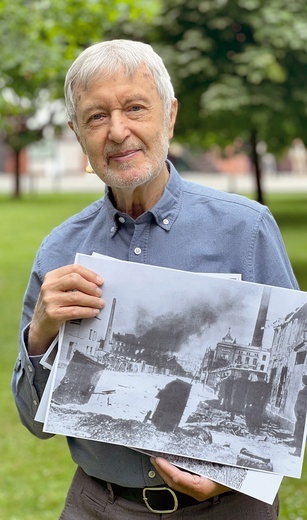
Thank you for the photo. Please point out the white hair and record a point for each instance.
(106, 58)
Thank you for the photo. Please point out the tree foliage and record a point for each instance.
(241, 64)
(40, 39)
(239, 68)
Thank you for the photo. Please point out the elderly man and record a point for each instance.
(122, 108)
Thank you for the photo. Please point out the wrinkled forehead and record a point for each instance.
(86, 78)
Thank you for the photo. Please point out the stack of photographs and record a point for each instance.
(206, 370)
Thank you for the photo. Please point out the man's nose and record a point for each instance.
(118, 129)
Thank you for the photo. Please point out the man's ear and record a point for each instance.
(173, 116)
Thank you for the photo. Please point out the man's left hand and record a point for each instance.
(198, 487)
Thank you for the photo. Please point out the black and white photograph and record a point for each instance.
(260, 485)
(202, 367)
(257, 484)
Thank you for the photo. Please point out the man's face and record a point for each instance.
(123, 129)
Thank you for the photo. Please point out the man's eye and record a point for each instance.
(135, 108)
(97, 117)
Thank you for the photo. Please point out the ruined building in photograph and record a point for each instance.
(288, 363)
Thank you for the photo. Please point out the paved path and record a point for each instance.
(82, 182)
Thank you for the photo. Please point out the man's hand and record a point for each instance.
(196, 486)
(67, 293)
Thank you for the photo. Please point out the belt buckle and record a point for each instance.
(164, 488)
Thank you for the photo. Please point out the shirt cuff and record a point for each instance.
(37, 373)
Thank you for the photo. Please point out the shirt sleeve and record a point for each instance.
(267, 257)
(29, 376)
(28, 384)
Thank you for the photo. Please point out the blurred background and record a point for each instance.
(239, 69)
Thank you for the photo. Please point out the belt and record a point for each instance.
(160, 499)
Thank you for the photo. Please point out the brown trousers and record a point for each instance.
(87, 500)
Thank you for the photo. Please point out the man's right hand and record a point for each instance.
(67, 293)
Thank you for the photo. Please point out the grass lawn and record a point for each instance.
(34, 474)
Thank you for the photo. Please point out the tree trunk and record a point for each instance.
(17, 174)
(256, 166)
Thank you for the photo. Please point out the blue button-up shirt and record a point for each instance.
(192, 228)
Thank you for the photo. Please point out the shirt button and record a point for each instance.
(35, 402)
(165, 221)
(137, 250)
(122, 219)
(30, 368)
(112, 229)
(151, 474)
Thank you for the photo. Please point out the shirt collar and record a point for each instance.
(164, 212)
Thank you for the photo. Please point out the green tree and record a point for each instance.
(40, 39)
(239, 68)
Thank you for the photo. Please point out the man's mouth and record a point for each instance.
(123, 155)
